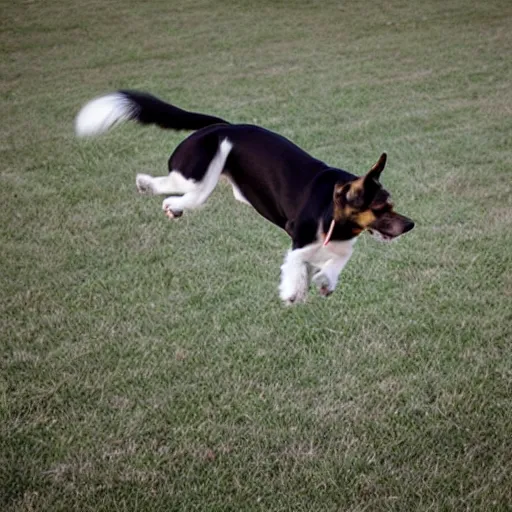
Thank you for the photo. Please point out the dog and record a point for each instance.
(323, 209)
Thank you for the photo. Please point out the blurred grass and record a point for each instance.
(148, 365)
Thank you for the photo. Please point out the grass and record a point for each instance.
(148, 365)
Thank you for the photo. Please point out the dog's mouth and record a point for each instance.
(384, 229)
(381, 237)
(378, 235)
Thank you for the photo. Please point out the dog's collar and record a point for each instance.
(329, 233)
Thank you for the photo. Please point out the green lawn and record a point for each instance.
(148, 365)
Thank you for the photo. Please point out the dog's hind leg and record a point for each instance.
(201, 190)
(173, 183)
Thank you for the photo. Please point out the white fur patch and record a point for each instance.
(173, 183)
(294, 278)
(319, 255)
(101, 114)
(201, 190)
(329, 261)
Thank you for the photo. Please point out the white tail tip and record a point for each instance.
(101, 114)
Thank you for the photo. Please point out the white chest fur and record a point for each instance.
(317, 254)
(328, 260)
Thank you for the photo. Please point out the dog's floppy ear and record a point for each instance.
(377, 169)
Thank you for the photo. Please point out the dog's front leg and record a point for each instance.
(326, 278)
(294, 277)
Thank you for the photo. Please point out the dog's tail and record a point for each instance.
(103, 113)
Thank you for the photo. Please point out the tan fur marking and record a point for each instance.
(365, 218)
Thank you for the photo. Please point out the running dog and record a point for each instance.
(323, 209)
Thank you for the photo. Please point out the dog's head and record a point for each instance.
(366, 205)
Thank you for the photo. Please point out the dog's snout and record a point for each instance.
(408, 226)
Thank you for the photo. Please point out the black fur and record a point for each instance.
(147, 109)
(282, 182)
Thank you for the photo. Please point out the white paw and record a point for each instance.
(171, 211)
(293, 295)
(290, 300)
(324, 284)
(144, 184)
(294, 284)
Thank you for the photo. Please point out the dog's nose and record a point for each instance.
(408, 226)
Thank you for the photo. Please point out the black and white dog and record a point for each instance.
(323, 209)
